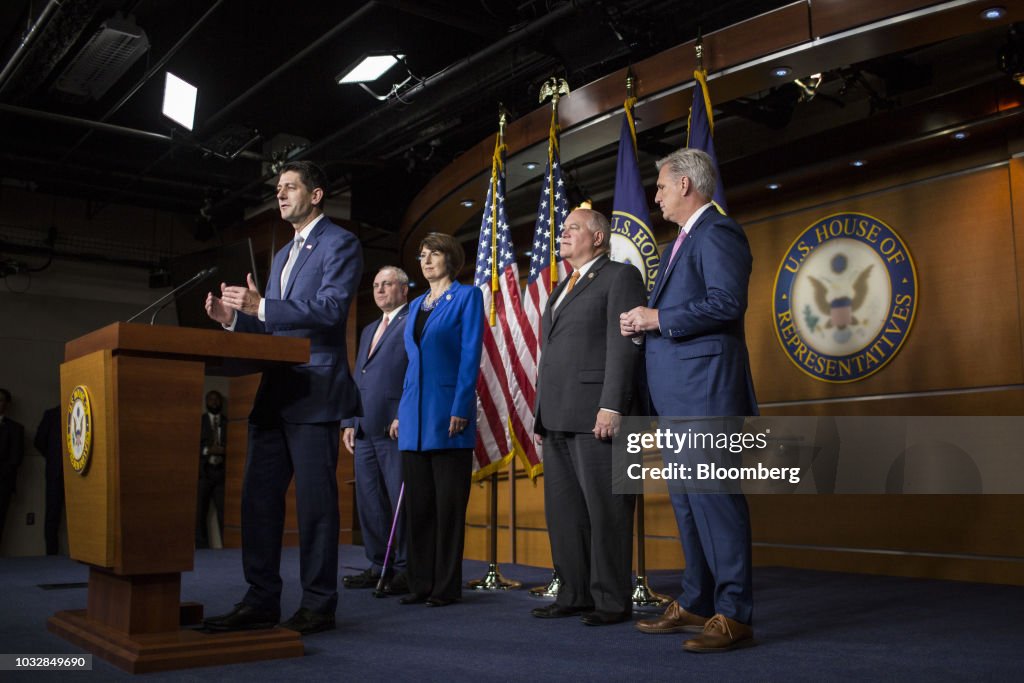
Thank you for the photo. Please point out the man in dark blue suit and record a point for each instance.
(294, 425)
(379, 374)
(697, 365)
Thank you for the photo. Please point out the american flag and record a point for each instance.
(505, 385)
(552, 209)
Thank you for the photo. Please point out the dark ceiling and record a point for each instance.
(265, 73)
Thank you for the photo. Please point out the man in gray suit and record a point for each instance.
(585, 384)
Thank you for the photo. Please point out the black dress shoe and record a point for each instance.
(306, 621)
(556, 611)
(242, 618)
(599, 618)
(440, 602)
(365, 579)
(412, 599)
(398, 585)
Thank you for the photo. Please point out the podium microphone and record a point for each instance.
(170, 296)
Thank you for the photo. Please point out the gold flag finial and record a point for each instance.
(554, 88)
(503, 116)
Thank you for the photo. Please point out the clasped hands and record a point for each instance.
(641, 319)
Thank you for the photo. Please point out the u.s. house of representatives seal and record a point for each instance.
(79, 429)
(844, 297)
(632, 241)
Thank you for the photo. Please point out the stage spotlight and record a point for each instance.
(179, 100)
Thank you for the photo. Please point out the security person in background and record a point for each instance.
(12, 448)
(212, 441)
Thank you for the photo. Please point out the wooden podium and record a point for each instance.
(131, 513)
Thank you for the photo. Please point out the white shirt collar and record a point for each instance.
(391, 316)
(582, 270)
(304, 233)
(692, 220)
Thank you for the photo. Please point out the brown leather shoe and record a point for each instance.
(674, 620)
(721, 634)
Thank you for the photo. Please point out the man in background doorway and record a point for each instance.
(48, 442)
(212, 449)
(12, 448)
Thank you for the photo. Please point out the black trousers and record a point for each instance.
(211, 488)
(6, 493)
(54, 508)
(436, 494)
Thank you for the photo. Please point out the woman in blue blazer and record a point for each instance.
(437, 422)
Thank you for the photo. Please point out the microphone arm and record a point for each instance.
(166, 299)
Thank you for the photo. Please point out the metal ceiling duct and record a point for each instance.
(106, 57)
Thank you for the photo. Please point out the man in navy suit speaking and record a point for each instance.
(697, 366)
(295, 421)
(380, 373)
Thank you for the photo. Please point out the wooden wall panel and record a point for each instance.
(982, 525)
(1017, 194)
(832, 16)
(966, 332)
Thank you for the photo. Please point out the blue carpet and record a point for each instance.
(809, 626)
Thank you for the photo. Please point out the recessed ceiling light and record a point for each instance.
(781, 71)
(531, 165)
(857, 163)
(468, 203)
(993, 13)
(773, 186)
(960, 135)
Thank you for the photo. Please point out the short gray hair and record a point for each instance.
(400, 275)
(696, 165)
(598, 223)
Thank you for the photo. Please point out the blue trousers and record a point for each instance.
(309, 452)
(378, 469)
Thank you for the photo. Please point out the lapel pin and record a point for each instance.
(448, 297)
(309, 246)
(590, 276)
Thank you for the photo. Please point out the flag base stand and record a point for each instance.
(494, 581)
(550, 590)
(643, 596)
